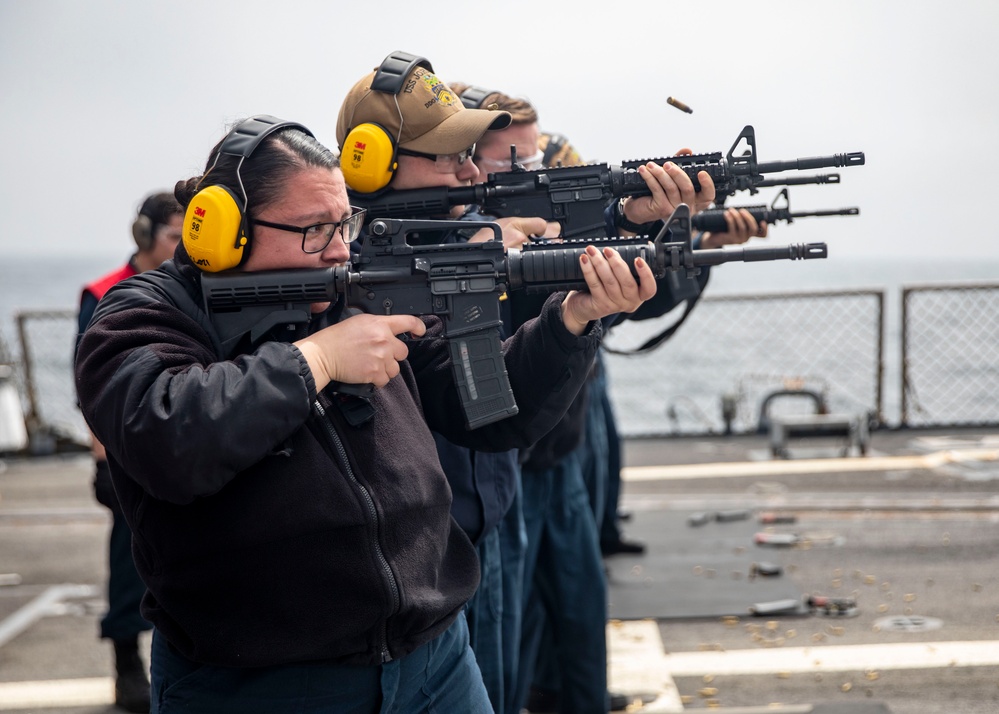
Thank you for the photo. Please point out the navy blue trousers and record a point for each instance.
(565, 588)
(441, 677)
(122, 621)
(484, 613)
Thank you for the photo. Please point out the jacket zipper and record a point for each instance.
(390, 576)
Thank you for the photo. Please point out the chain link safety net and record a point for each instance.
(950, 355)
(735, 362)
(45, 377)
(739, 360)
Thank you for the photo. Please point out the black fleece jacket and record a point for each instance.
(266, 528)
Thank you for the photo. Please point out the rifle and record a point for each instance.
(460, 283)
(744, 172)
(576, 196)
(714, 219)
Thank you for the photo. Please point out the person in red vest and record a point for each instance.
(157, 231)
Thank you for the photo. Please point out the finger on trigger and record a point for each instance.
(407, 323)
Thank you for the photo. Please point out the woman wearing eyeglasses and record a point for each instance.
(296, 558)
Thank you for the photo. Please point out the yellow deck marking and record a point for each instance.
(807, 466)
(96, 691)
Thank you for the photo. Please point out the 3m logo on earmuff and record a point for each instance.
(192, 233)
(372, 158)
(197, 219)
(357, 154)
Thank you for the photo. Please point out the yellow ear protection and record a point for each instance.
(368, 159)
(473, 97)
(368, 155)
(215, 231)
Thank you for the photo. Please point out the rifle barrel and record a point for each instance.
(854, 158)
(793, 251)
(830, 212)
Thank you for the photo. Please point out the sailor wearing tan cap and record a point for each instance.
(402, 127)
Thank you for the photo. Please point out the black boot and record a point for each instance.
(131, 686)
(541, 701)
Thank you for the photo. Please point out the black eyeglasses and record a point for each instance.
(316, 237)
(445, 163)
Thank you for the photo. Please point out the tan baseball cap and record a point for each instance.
(425, 115)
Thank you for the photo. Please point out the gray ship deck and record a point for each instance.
(909, 533)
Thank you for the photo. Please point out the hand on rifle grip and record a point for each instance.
(359, 350)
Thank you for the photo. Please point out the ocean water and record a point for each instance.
(43, 283)
(675, 388)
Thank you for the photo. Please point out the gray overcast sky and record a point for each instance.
(106, 100)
